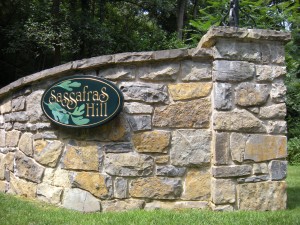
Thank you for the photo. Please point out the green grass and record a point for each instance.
(16, 210)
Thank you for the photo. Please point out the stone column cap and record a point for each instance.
(210, 38)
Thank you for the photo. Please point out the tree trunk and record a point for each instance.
(181, 6)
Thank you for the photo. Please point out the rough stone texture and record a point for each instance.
(249, 94)
(222, 208)
(264, 147)
(21, 187)
(118, 73)
(260, 168)
(121, 188)
(8, 161)
(2, 137)
(34, 111)
(195, 71)
(80, 200)
(160, 72)
(231, 171)
(49, 193)
(170, 171)
(156, 188)
(236, 120)
(222, 191)
(18, 104)
(221, 148)
(191, 114)
(27, 168)
(184, 91)
(16, 117)
(223, 96)
(122, 205)
(190, 147)
(25, 144)
(3, 186)
(150, 93)
(48, 155)
(162, 159)
(140, 122)
(262, 196)
(12, 138)
(269, 73)
(5, 107)
(278, 93)
(128, 164)
(2, 167)
(273, 111)
(176, 205)
(137, 108)
(82, 156)
(278, 169)
(237, 146)
(121, 147)
(197, 185)
(276, 127)
(253, 179)
(57, 177)
(235, 71)
(152, 141)
(95, 183)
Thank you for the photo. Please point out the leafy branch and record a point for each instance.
(69, 85)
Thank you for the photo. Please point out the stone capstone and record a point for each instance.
(122, 205)
(128, 164)
(249, 94)
(146, 92)
(48, 154)
(278, 169)
(184, 91)
(25, 144)
(152, 141)
(27, 168)
(49, 193)
(170, 171)
(80, 200)
(156, 188)
(118, 73)
(160, 72)
(262, 196)
(223, 191)
(190, 147)
(223, 96)
(191, 114)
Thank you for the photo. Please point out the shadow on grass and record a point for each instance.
(293, 197)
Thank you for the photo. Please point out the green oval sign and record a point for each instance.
(82, 101)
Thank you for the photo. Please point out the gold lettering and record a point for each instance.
(95, 96)
(84, 92)
(52, 96)
(90, 106)
(78, 96)
(88, 95)
(72, 101)
(104, 96)
(105, 109)
(59, 97)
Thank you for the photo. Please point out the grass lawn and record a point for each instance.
(16, 210)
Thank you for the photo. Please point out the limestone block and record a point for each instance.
(5, 107)
(273, 111)
(176, 205)
(276, 127)
(269, 73)
(27, 168)
(16, 117)
(82, 156)
(9, 161)
(222, 208)
(49, 154)
(278, 93)
(118, 73)
(237, 146)
(156, 188)
(95, 183)
(231, 171)
(152, 141)
(49, 193)
(262, 196)
(33, 106)
(80, 200)
(121, 188)
(140, 122)
(184, 91)
(232, 71)
(137, 108)
(162, 159)
(122, 205)
(21, 187)
(58, 177)
(170, 171)
(250, 94)
(221, 148)
(45, 135)
(253, 179)
(223, 191)
(260, 168)
(197, 185)
(237, 120)
(12, 138)
(2, 137)
(278, 169)
(223, 96)
(191, 114)
(146, 92)
(265, 147)
(195, 71)
(168, 72)
(18, 104)
(2, 167)
(120, 147)
(25, 144)
(128, 164)
(3, 186)
(190, 147)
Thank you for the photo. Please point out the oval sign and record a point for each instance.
(82, 101)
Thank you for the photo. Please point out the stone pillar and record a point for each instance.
(249, 131)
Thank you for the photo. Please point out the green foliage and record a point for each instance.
(68, 85)
(294, 150)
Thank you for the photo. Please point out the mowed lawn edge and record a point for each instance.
(17, 210)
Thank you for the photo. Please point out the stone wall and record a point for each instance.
(201, 128)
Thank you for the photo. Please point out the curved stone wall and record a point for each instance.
(201, 128)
